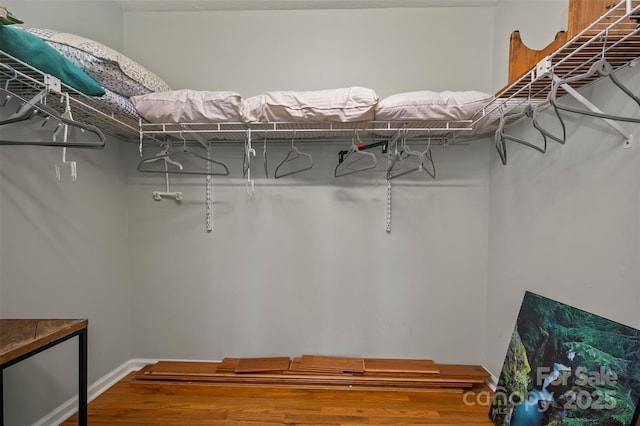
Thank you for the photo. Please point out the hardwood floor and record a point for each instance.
(165, 403)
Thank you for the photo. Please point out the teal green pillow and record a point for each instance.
(35, 52)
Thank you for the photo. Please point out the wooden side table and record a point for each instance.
(22, 338)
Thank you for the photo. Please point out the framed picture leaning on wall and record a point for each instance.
(566, 366)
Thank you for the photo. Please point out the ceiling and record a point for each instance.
(191, 5)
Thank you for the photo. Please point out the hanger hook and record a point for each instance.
(604, 43)
(13, 77)
(248, 147)
(353, 140)
(360, 143)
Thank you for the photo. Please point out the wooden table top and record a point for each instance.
(21, 336)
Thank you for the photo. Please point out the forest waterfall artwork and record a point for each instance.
(565, 366)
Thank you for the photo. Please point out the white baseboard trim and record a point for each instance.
(492, 381)
(68, 408)
(138, 363)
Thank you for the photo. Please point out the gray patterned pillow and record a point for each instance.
(118, 103)
(111, 69)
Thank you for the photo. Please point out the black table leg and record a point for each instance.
(1, 398)
(82, 378)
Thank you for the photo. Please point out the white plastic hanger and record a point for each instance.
(246, 164)
(65, 132)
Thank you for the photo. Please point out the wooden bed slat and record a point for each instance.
(386, 365)
(410, 374)
(257, 365)
(228, 365)
(331, 364)
(180, 368)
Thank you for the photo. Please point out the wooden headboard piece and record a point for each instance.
(582, 13)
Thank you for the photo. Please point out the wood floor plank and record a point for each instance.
(130, 402)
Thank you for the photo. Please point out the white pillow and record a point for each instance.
(189, 106)
(339, 105)
(426, 105)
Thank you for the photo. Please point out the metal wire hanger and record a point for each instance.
(599, 68)
(184, 149)
(536, 124)
(501, 136)
(402, 155)
(45, 122)
(356, 155)
(293, 155)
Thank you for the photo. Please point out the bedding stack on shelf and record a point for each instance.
(320, 372)
(98, 79)
(121, 97)
(32, 50)
(120, 76)
(343, 105)
(113, 86)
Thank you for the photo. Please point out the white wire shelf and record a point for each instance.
(308, 131)
(29, 81)
(615, 36)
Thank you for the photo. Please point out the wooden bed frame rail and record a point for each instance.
(582, 13)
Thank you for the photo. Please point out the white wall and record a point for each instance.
(566, 224)
(95, 19)
(306, 266)
(64, 253)
(388, 50)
